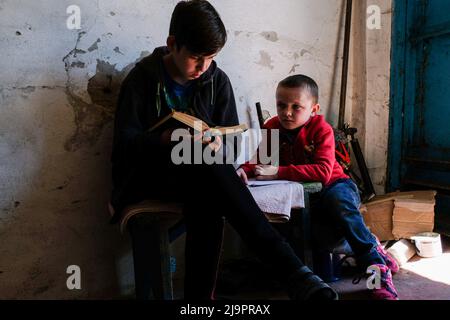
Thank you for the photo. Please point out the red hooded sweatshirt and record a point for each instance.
(311, 155)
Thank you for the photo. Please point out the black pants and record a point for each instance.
(212, 193)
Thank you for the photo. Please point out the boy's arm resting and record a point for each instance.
(248, 169)
(323, 161)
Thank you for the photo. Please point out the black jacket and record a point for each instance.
(140, 104)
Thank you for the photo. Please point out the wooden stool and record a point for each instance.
(153, 225)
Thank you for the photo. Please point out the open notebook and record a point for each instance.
(258, 183)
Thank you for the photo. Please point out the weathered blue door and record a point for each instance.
(419, 150)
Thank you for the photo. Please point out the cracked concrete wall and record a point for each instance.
(57, 97)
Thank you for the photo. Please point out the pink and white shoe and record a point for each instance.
(387, 289)
(390, 262)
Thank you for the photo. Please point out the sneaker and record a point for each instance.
(387, 290)
(390, 262)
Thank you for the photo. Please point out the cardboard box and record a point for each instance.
(378, 218)
(399, 214)
(414, 215)
(377, 214)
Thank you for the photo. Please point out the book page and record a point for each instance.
(228, 130)
(190, 120)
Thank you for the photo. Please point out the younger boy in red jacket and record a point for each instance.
(307, 153)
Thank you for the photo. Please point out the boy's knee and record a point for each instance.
(342, 206)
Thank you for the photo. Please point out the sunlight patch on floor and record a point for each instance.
(436, 269)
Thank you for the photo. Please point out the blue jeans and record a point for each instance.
(339, 206)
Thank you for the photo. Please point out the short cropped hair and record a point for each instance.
(303, 83)
(197, 26)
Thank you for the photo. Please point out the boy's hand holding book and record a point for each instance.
(205, 136)
(197, 124)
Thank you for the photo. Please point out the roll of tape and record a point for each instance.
(428, 244)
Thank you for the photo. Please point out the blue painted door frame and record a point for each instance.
(419, 124)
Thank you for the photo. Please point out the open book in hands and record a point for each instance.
(199, 125)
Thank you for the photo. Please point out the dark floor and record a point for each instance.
(418, 279)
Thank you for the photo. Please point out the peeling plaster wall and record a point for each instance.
(368, 87)
(57, 97)
(273, 39)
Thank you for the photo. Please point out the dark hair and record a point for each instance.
(197, 26)
(303, 83)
